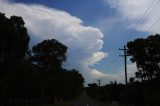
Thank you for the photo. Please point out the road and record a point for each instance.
(85, 100)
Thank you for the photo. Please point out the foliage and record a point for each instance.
(146, 54)
(48, 57)
(14, 39)
(18, 76)
(36, 74)
(107, 93)
(49, 54)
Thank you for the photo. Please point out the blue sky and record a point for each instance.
(97, 29)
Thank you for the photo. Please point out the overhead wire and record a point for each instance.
(144, 15)
(116, 63)
(149, 12)
(154, 23)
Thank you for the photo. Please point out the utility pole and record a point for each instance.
(125, 62)
(99, 82)
(125, 65)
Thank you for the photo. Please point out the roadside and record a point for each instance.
(82, 100)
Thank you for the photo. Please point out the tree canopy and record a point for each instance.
(14, 39)
(146, 53)
(49, 53)
(36, 73)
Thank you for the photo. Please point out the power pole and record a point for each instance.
(125, 62)
(99, 82)
(125, 65)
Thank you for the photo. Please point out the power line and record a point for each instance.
(149, 14)
(154, 23)
(144, 15)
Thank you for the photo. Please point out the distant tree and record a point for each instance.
(69, 83)
(146, 54)
(93, 90)
(77, 81)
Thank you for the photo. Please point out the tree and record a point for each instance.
(48, 57)
(49, 54)
(77, 81)
(69, 83)
(17, 74)
(33, 74)
(146, 54)
(14, 39)
(131, 80)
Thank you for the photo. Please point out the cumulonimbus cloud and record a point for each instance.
(84, 42)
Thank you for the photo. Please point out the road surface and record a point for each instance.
(85, 100)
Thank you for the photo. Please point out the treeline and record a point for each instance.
(144, 88)
(109, 93)
(35, 73)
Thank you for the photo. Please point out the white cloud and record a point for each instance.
(96, 57)
(119, 76)
(105, 24)
(84, 42)
(133, 11)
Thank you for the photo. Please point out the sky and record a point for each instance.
(93, 30)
